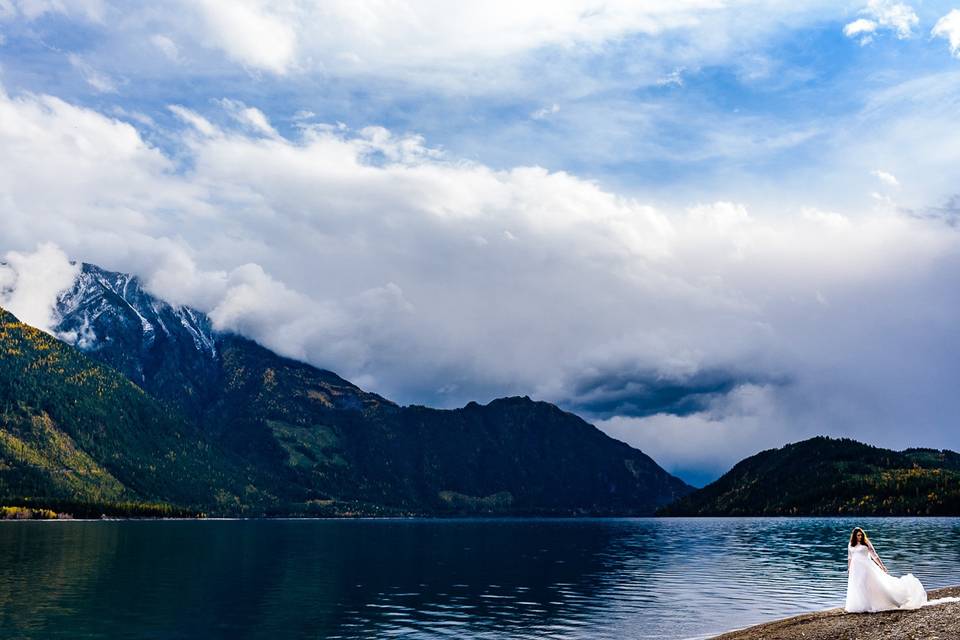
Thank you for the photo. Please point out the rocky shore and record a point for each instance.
(936, 622)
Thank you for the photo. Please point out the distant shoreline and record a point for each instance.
(440, 517)
(835, 624)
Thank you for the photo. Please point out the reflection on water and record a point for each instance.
(635, 578)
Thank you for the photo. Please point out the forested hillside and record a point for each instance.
(77, 435)
(827, 476)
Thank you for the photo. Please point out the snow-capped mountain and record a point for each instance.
(170, 351)
(99, 294)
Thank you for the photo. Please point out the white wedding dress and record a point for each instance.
(870, 588)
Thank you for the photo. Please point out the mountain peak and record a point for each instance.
(121, 298)
(172, 352)
(167, 350)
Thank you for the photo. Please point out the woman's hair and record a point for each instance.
(853, 537)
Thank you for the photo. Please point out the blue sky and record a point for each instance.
(638, 111)
(707, 226)
(672, 115)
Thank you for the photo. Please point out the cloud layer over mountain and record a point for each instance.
(436, 280)
(704, 230)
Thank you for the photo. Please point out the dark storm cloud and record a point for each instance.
(646, 393)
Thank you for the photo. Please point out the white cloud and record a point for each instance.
(194, 119)
(166, 46)
(136, 116)
(251, 299)
(886, 178)
(355, 249)
(675, 77)
(31, 282)
(896, 15)
(948, 27)
(545, 112)
(861, 27)
(536, 47)
(250, 117)
(101, 82)
(475, 48)
(883, 15)
(251, 32)
(427, 30)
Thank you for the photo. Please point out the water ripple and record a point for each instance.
(495, 579)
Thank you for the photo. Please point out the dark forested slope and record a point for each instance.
(828, 476)
(75, 431)
(337, 442)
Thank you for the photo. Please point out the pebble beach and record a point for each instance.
(933, 622)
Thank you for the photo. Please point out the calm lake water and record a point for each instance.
(425, 579)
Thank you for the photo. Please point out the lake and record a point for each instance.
(424, 579)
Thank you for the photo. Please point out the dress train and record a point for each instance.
(870, 588)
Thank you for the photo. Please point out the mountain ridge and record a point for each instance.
(831, 476)
(310, 442)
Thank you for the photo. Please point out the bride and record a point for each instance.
(870, 587)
